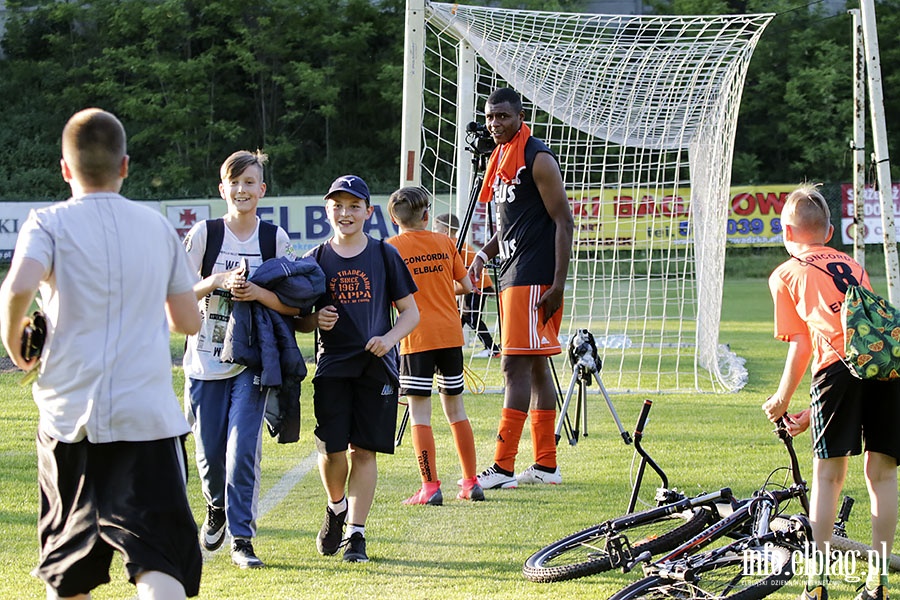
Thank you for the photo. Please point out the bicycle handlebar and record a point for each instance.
(642, 419)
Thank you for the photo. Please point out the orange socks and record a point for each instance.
(543, 436)
(465, 447)
(508, 434)
(423, 444)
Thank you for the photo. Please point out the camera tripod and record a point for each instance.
(586, 365)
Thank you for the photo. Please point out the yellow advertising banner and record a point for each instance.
(639, 217)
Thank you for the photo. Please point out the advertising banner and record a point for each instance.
(302, 217)
(602, 217)
(872, 226)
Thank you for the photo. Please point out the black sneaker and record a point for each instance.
(328, 541)
(243, 556)
(356, 549)
(212, 534)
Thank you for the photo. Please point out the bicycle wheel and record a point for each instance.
(585, 552)
(753, 574)
(863, 551)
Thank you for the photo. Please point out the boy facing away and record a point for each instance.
(357, 373)
(114, 280)
(808, 290)
(435, 346)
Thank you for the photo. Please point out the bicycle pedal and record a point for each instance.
(619, 551)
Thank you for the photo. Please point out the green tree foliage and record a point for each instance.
(317, 85)
(796, 114)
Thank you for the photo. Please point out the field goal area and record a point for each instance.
(641, 111)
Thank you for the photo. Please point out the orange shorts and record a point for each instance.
(522, 327)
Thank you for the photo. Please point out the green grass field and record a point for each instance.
(463, 550)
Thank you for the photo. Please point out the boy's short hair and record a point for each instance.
(408, 205)
(448, 221)
(806, 209)
(350, 184)
(93, 146)
(239, 161)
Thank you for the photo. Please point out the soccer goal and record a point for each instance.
(641, 111)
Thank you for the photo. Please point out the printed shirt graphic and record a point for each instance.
(362, 289)
(201, 357)
(809, 301)
(527, 233)
(435, 264)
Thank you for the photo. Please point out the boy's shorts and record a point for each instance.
(845, 410)
(354, 410)
(522, 327)
(125, 496)
(417, 371)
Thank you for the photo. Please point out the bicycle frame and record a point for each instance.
(759, 511)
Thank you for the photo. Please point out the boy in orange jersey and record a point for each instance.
(808, 290)
(473, 302)
(435, 346)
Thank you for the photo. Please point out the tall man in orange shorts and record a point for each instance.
(533, 240)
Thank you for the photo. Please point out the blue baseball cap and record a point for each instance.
(352, 185)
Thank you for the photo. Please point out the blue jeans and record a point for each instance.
(226, 416)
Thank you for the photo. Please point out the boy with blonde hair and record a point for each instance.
(223, 399)
(435, 346)
(808, 290)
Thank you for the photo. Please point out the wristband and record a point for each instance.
(484, 258)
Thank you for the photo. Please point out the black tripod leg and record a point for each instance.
(582, 408)
(403, 423)
(582, 393)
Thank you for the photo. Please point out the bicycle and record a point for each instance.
(623, 542)
(751, 567)
(617, 543)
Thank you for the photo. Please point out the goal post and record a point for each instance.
(641, 112)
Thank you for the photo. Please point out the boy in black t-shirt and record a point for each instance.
(357, 372)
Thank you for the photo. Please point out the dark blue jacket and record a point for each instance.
(263, 339)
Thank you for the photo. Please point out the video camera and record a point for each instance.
(583, 354)
(479, 138)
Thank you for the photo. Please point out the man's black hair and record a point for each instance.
(501, 95)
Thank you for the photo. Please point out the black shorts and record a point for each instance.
(846, 410)
(354, 410)
(417, 372)
(125, 496)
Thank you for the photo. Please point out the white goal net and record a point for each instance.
(641, 111)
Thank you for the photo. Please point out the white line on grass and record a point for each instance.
(277, 493)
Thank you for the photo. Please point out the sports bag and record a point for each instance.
(871, 335)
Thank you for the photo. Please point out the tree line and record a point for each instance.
(317, 84)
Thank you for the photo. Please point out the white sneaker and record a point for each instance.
(533, 475)
(488, 353)
(491, 479)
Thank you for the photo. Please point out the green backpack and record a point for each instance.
(871, 333)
